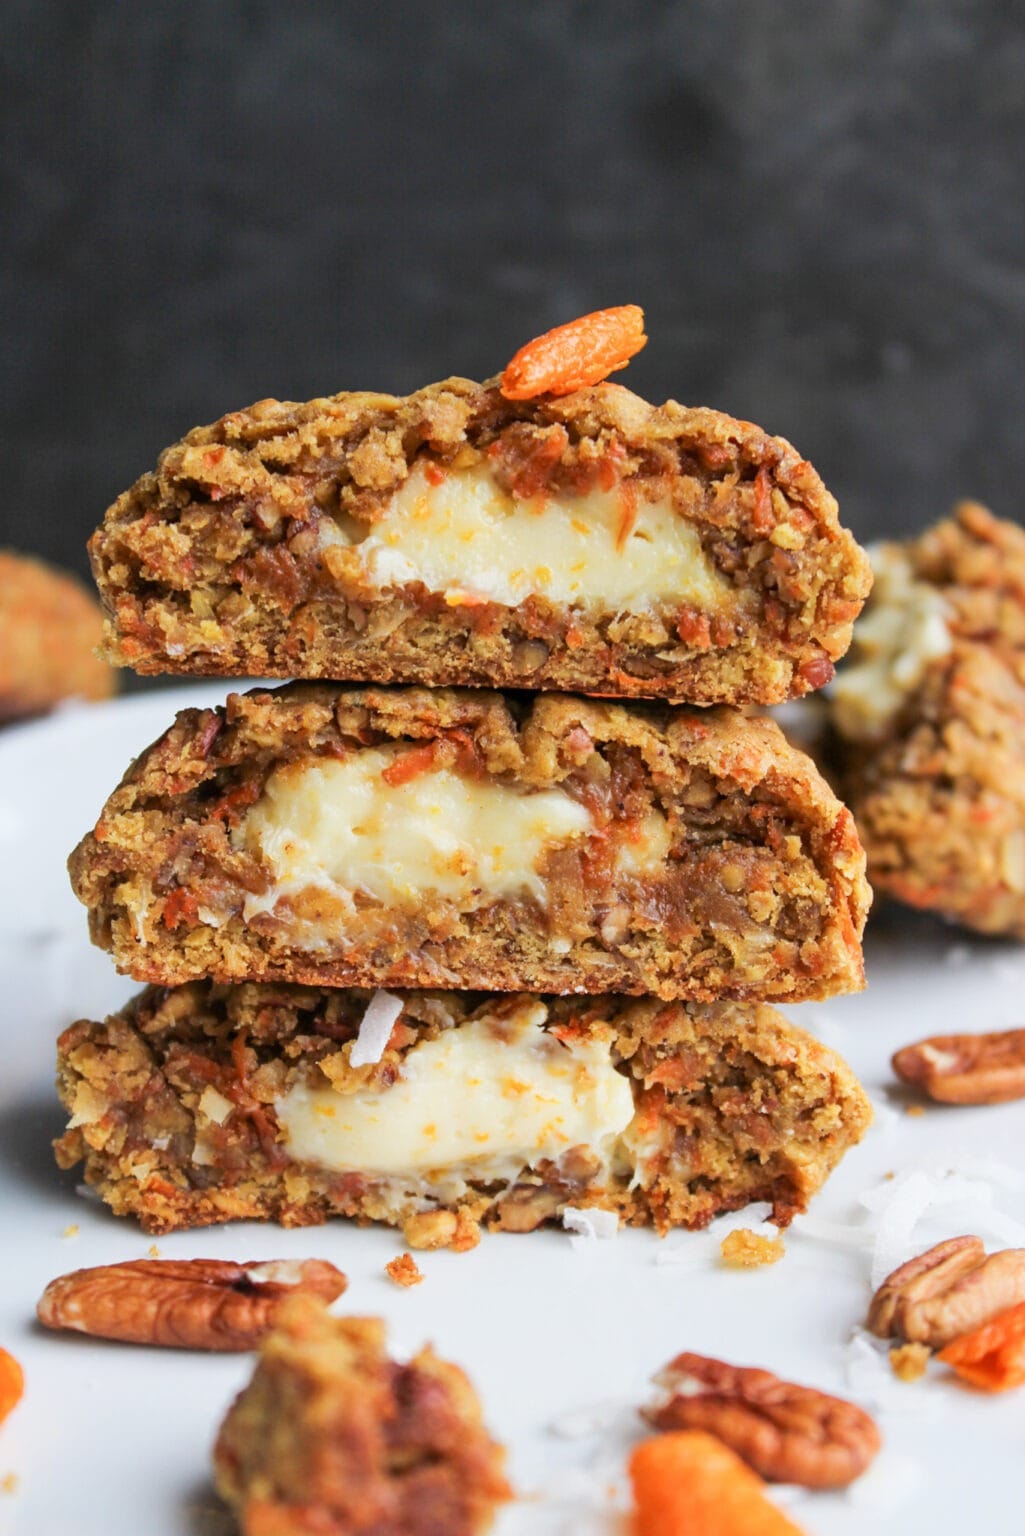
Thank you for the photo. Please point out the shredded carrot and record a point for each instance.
(228, 807)
(627, 516)
(411, 764)
(672, 1073)
(690, 1484)
(694, 628)
(991, 1357)
(468, 759)
(571, 356)
(762, 517)
(458, 597)
(180, 906)
(239, 1060)
(12, 1383)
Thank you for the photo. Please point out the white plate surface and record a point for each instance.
(114, 1441)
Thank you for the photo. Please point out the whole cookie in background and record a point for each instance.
(928, 717)
(49, 630)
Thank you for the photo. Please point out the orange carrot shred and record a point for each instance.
(762, 517)
(577, 354)
(180, 906)
(991, 1357)
(627, 516)
(411, 764)
(691, 1484)
(12, 1383)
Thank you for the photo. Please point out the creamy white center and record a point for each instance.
(902, 631)
(482, 1100)
(340, 825)
(468, 538)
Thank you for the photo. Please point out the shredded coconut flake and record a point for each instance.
(590, 1224)
(901, 1204)
(583, 1423)
(375, 1029)
(839, 1234)
(214, 1105)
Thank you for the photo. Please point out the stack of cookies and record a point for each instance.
(426, 952)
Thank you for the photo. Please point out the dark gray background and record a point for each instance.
(820, 205)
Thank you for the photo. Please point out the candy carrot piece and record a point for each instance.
(411, 764)
(690, 1484)
(991, 1357)
(12, 1383)
(572, 356)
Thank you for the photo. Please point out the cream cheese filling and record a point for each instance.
(339, 825)
(483, 1100)
(467, 538)
(902, 631)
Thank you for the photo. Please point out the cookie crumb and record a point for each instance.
(908, 1362)
(9, 1483)
(915, 1109)
(744, 1249)
(404, 1270)
(71, 1230)
(153, 1251)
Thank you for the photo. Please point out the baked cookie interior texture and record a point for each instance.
(929, 722)
(591, 543)
(438, 1112)
(333, 1436)
(407, 837)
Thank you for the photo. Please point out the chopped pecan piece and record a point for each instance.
(183, 1304)
(966, 1069)
(787, 1433)
(947, 1291)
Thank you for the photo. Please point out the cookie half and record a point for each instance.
(593, 543)
(441, 1112)
(406, 837)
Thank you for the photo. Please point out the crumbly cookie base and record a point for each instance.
(762, 897)
(400, 640)
(754, 1110)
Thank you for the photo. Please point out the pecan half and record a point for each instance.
(947, 1291)
(183, 1304)
(966, 1069)
(787, 1433)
